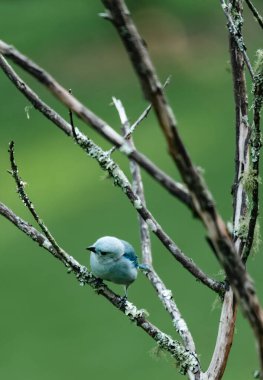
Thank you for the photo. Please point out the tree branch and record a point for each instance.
(185, 360)
(233, 27)
(25, 199)
(240, 203)
(164, 294)
(242, 167)
(224, 339)
(154, 93)
(224, 247)
(255, 12)
(198, 198)
(174, 188)
(256, 144)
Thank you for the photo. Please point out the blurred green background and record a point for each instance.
(51, 328)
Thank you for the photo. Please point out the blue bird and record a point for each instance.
(115, 260)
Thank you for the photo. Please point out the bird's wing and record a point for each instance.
(129, 253)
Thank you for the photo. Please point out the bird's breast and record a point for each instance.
(119, 271)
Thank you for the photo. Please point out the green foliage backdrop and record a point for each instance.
(50, 327)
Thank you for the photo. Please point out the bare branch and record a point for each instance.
(232, 252)
(224, 338)
(218, 233)
(176, 189)
(143, 116)
(238, 38)
(25, 199)
(153, 91)
(72, 121)
(256, 144)
(164, 294)
(240, 204)
(119, 178)
(255, 12)
(240, 190)
(186, 360)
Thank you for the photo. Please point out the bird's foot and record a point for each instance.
(123, 302)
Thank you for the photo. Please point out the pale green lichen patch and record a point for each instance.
(242, 229)
(257, 241)
(104, 160)
(185, 359)
(138, 204)
(46, 244)
(83, 275)
(151, 225)
(250, 180)
(259, 62)
(132, 312)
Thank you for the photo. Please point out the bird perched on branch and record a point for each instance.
(115, 260)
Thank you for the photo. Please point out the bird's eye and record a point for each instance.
(103, 253)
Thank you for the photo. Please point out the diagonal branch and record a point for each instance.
(234, 31)
(186, 360)
(25, 199)
(143, 116)
(176, 189)
(255, 12)
(164, 294)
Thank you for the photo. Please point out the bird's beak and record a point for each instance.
(91, 248)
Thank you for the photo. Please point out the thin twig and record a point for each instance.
(25, 199)
(233, 30)
(255, 12)
(143, 116)
(256, 144)
(176, 189)
(119, 178)
(72, 121)
(164, 294)
(186, 360)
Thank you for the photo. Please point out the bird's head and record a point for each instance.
(108, 246)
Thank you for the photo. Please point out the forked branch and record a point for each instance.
(65, 97)
(186, 360)
(225, 250)
(164, 294)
